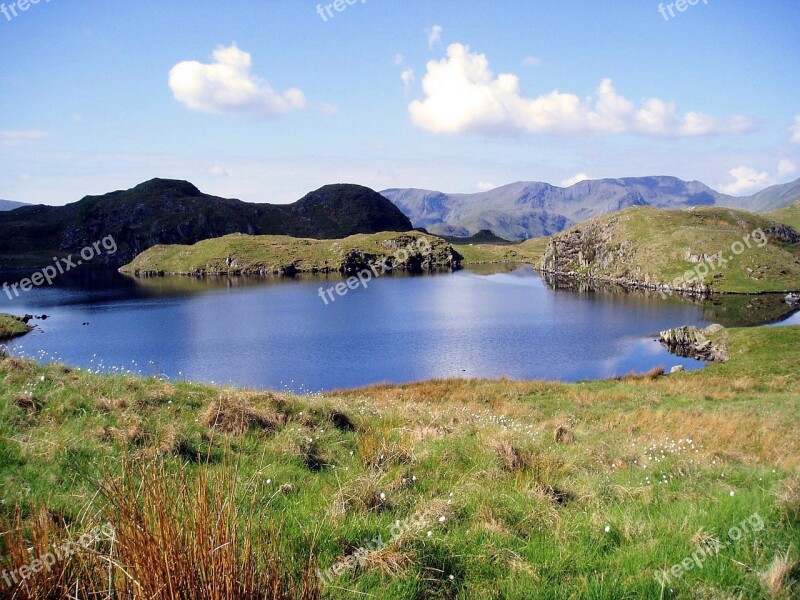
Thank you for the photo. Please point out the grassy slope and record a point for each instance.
(270, 252)
(532, 528)
(658, 240)
(789, 215)
(11, 327)
(530, 251)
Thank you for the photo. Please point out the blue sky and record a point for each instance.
(450, 95)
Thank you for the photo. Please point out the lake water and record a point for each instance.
(278, 333)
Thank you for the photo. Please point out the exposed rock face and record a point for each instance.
(590, 253)
(403, 253)
(783, 233)
(693, 342)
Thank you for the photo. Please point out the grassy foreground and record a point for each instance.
(445, 489)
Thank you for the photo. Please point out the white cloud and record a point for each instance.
(434, 36)
(462, 95)
(14, 137)
(786, 167)
(217, 171)
(574, 179)
(227, 86)
(398, 59)
(532, 61)
(746, 180)
(795, 130)
(485, 186)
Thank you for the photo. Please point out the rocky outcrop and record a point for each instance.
(592, 253)
(692, 342)
(783, 233)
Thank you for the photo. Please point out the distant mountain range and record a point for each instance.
(9, 205)
(530, 209)
(164, 211)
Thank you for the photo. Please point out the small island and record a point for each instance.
(11, 327)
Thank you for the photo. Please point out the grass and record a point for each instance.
(272, 254)
(789, 215)
(529, 252)
(654, 246)
(460, 489)
(11, 327)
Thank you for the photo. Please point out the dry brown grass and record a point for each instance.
(779, 580)
(789, 499)
(29, 403)
(382, 449)
(512, 458)
(177, 537)
(564, 435)
(362, 494)
(23, 543)
(235, 415)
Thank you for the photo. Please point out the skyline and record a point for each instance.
(269, 102)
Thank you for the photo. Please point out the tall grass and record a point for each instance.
(176, 536)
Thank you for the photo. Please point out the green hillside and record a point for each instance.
(454, 489)
(644, 246)
(789, 215)
(275, 254)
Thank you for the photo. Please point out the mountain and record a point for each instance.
(10, 205)
(529, 209)
(735, 251)
(163, 211)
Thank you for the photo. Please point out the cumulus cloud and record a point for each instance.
(786, 167)
(462, 95)
(434, 36)
(746, 180)
(217, 171)
(485, 186)
(398, 59)
(574, 179)
(227, 86)
(795, 130)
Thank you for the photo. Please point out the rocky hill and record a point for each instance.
(240, 254)
(163, 211)
(530, 209)
(645, 247)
